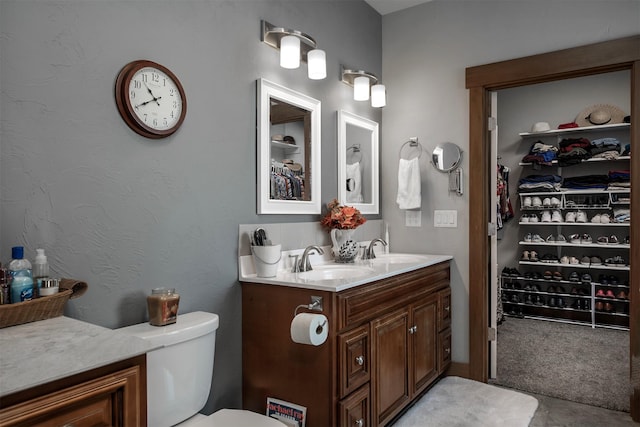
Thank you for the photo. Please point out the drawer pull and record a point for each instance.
(359, 423)
(447, 350)
(360, 360)
(413, 329)
(447, 308)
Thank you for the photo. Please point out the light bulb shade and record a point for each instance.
(361, 88)
(317, 64)
(378, 96)
(290, 52)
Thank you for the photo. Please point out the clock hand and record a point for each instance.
(146, 102)
(151, 93)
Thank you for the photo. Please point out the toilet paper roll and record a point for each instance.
(309, 328)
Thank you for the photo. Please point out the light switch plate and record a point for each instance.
(445, 218)
(413, 218)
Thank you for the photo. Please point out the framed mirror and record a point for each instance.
(446, 156)
(358, 162)
(289, 175)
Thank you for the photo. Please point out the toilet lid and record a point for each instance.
(237, 418)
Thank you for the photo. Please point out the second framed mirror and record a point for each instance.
(358, 162)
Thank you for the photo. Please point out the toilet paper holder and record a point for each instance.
(315, 305)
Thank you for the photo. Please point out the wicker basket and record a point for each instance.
(41, 308)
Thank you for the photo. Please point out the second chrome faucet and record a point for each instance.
(303, 264)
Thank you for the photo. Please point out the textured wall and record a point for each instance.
(126, 213)
(425, 52)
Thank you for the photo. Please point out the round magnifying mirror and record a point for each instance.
(446, 156)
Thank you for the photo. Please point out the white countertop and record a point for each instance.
(370, 270)
(40, 352)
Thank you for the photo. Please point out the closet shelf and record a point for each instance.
(584, 266)
(556, 132)
(596, 159)
(577, 245)
(581, 224)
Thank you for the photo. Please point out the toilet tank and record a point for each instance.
(180, 369)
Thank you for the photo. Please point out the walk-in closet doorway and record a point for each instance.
(599, 58)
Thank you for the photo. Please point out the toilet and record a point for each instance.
(179, 374)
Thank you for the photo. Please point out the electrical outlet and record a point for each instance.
(413, 218)
(448, 218)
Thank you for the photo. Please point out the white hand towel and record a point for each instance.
(409, 195)
(354, 183)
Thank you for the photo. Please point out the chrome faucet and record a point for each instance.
(304, 264)
(368, 252)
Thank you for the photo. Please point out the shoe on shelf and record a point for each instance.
(600, 293)
(613, 240)
(556, 216)
(586, 304)
(550, 239)
(575, 239)
(528, 237)
(595, 260)
(602, 240)
(536, 202)
(585, 260)
(602, 279)
(557, 276)
(555, 202)
(524, 218)
(527, 202)
(609, 308)
(570, 217)
(527, 275)
(573, 260)
(599, 306)
(546, 216)
(581, 216)
(613, 280)
(564, 260)
(528, 299)
(622, 295)
(551, 289)
(536, 238)
(609, 294)
(552, 301)
(525, 256)
(546, 202)
(534, 218)
(560, 289)
(537, 276)
(626, 240)
(605, 218)
(560, 238)
(596, 219)
(586, 278)
(574, 291)
(549, 258)
(585, 239)
(547, 275)
(574, 277)
(533, 256)
(527, 287)
(560, 302)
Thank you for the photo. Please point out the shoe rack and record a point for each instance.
(574, 262)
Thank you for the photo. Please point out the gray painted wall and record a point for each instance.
(425, 52)
(125, 213)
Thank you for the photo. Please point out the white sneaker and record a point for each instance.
(564, 260)
(526, 202)
(556, 216)
(534, 218)
(546, 202)
(524, 218)
(570, 217)
(536, 238)
(555, 202)
(581, 217)
(536, 202)
(546, 216)
(528, 238)
(605, 218)
(596, 219)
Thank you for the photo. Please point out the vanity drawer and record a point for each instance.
(354, 363)
(354, 411)
(444, 352)
(444, 309)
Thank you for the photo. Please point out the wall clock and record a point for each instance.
(150, 99)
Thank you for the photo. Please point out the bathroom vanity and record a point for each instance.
(62, 371)
(389, 339)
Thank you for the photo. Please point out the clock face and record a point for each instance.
(150, 99)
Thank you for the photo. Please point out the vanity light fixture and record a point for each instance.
(363, 83)
(295, 46)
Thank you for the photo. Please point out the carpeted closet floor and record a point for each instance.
(570, 362)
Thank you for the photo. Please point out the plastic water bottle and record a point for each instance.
(20, 276)
(40, 269)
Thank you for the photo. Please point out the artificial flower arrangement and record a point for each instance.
(341, 217)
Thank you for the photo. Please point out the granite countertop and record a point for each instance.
(36, 353)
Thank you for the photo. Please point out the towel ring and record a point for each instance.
(413, 143)
(356, 156)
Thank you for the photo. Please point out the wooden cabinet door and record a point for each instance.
(390, 365)
(423, 355)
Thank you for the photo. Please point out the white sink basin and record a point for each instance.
(336, 272)
(399, 258)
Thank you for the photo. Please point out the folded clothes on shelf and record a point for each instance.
(539, 183)
(586, 182)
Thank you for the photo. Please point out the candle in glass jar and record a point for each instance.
(163, 306)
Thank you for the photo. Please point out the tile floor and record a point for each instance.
(562, 413)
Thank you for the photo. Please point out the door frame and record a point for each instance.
(597, 58)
